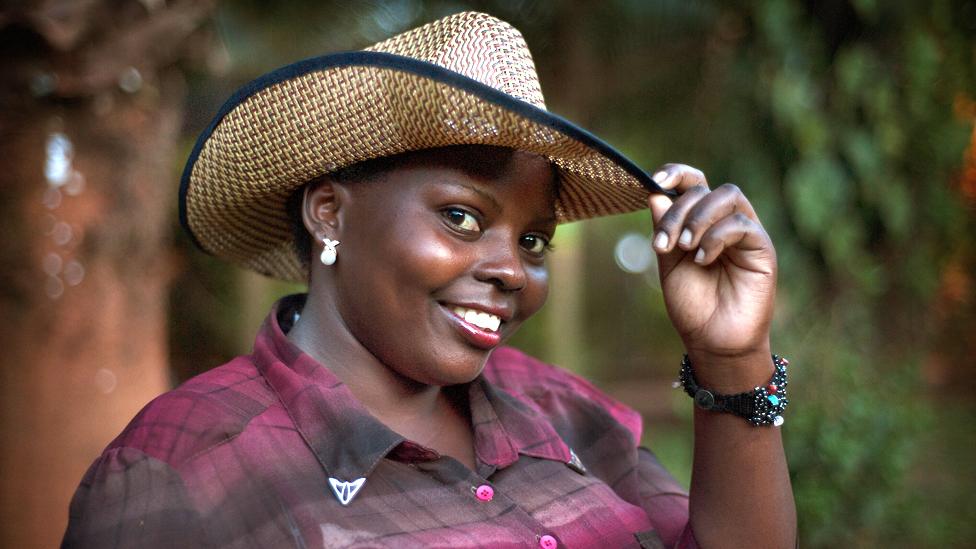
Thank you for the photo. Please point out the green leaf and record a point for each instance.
(817, 190)
(895, 206)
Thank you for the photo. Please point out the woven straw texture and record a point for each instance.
(290, 132)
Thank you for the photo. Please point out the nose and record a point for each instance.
(500, 263)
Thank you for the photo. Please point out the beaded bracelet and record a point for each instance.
(761, 406)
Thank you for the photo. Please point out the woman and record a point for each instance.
(380, 410)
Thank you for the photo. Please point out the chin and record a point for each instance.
(455, 372)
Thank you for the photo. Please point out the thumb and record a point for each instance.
(659, 205)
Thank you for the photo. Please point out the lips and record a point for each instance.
(477, 326)
(484, 320)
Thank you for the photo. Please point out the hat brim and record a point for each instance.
(317, 115)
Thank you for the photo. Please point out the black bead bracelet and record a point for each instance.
(761, 406)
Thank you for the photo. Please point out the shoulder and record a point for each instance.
(557, 392)
(134, 494)
(206, 410)
(129, 499)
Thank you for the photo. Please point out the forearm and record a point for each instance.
(740, 487)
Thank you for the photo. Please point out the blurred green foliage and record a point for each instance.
(839, 119)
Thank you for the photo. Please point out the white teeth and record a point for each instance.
(481, 319)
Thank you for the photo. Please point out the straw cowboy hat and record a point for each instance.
(465, 79)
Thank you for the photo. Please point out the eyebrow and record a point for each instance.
(482, 193)
(550, 220)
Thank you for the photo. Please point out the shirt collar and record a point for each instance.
(505, 426)
(349, 441)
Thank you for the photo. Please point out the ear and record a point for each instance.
(320, 208)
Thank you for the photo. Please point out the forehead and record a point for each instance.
(480, 161)
(500, 171)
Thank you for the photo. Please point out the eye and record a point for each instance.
(461, 219)
(535, 244)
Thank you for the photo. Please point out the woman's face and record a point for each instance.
(443, 258)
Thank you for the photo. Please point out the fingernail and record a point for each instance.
(685, 238)
(661, 240)
(659, 177)
(700, 256)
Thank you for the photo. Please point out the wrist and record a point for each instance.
(763, 405)
(732, 373)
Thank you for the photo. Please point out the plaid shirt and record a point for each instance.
(259, 451)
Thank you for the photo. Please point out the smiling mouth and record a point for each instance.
(481, 319)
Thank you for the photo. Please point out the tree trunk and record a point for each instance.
(88, 190)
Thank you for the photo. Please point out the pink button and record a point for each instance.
(485, 493)
(548, 542)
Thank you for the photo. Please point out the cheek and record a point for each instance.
(427, 260)
(396, 270)
(391, 280)
(536, 291)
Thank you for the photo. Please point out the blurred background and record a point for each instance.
(849, 123)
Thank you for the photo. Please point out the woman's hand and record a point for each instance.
(718, 273)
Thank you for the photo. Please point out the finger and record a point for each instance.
(716, 205)
(659, 204)
(735, 232)
(679, 177)
(668, 226)
(675, 177)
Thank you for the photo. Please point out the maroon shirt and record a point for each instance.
(242, 456)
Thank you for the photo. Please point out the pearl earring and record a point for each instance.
(329, 252)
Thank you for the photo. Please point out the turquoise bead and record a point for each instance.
(773, 399)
